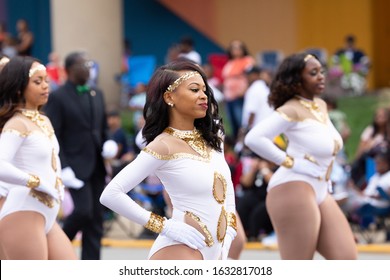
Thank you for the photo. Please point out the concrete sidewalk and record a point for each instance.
(134, 249)
(121, 242)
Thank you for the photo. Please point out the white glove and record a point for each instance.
(183, 233)
(110, 149)
(69, 179)
(52, 191)
(227, 242)
(306, 167)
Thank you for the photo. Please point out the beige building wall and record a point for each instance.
(94, 26)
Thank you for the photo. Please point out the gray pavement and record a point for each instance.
(127, 253)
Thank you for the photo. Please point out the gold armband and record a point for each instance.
(33, 181)
(155, 223)
(288, 162)
(232, 220)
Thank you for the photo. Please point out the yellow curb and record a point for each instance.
(144, 243)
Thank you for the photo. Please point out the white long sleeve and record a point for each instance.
(260, 138)
(115, 194)
(10, 143)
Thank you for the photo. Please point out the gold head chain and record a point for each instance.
(181, 79)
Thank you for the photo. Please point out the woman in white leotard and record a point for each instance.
(184, 150)
(305, 217)
(29, 167)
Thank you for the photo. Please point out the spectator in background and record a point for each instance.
(213, 82)
(78, 114)
(352, 65)
(55, 71)
(374, 200)
(235, 83)
(136, 105)
(256, 106)
(25, 38)
(187, 50)
(117, 133)
(251, 205)
(350, 57)
(373, 137)
(3, 35)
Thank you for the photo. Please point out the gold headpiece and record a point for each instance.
(181, 79)
(307, 57)
(35, 69)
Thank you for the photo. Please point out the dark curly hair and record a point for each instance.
(13, 82)
(156, 109)
(288, 79)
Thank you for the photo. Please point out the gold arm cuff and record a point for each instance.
(288, 162)
(33, 181)
(232, 220)
(155, 223)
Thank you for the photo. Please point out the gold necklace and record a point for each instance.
(314, 108)
(193, 138)
(37, 118)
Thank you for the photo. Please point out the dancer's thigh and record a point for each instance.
(295, 217)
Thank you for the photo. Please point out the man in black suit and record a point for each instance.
(78, 115)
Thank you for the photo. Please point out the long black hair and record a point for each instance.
(288, 79)
(156, 109)
(14, 79)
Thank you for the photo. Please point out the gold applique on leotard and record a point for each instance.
(222, 225)
(219, 188)
(202, 226)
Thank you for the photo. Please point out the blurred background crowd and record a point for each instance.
(239, 44)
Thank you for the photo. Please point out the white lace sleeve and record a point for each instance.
(260, 138)
(115, 195)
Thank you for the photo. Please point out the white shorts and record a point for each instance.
(286, 175)
(20, 199)
(208, 253)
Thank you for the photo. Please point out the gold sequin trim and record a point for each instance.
(222, 225)
(44, 198)
(209, 239)
(193, 138)
(155, 223)
(284, 116)
(288, 162)
(337, 147)
(175, 156)
(329, 171)
(307, 57)
(53, 160)
(310, 158)
(33, 181)
(232, 220)
(181, 79)
(219, 177)
(10, 130)
(314, 108)
(39, 120)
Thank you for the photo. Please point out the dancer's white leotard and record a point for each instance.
(309, 137)
(25, 149)
(199, 187)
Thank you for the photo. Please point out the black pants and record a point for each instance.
(253, 213)
(87, 216)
